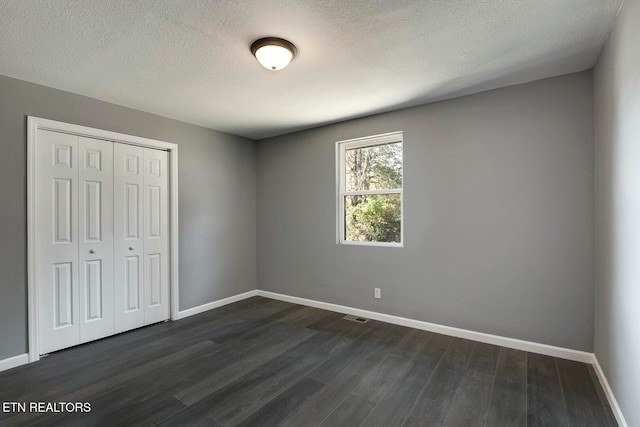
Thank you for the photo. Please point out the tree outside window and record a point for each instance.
(370, 196)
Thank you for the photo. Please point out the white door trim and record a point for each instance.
(33, 125)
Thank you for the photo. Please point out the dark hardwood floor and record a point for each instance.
(261, 362)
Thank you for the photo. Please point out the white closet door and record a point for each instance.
(56, 234)
(95, 226)
(128, 232)
(102, 238)
(156, 235)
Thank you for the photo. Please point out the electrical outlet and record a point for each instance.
(376, 293)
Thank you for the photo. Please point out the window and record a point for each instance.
(369, 174)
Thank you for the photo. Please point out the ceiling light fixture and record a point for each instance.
(273, 53)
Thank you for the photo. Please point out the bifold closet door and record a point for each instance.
(102, 238)
(56, 206)
(128, 228)
(141, 236)
(74, 239)
(156, 235)
(95, 243)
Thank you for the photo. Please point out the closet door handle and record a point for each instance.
(131, 248)
(92, 251)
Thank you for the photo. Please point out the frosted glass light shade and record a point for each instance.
(273, 53)
(274, 57)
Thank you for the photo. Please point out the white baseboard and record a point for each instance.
(215, 304)
(13, 362)
(549, 350)
(613, 402)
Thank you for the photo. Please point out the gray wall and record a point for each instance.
(498, 215)
(217, 198)
(617, 136)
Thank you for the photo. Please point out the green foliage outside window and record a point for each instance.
(373, 217)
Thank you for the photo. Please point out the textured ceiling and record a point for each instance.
(190, 60)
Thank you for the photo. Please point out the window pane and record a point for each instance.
(372, 218)
(374, 168)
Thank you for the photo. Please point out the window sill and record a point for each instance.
(375, 244)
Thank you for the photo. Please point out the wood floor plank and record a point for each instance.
(314, 410)
(397, 402)
(95, 383)
(234, 407)
(153, 351)
(207, 422)
(56, 364)
(158, 411)
(93, 389)
(53, 370)
(190, 371)
(277, 409)
(433, 404)
(512, 366)
(379, 340)
(133, 338)
(49, 384)
(107, 403)
(471, 402)
(344, 327)
(305, 317)
(484, 358)
(545, 407)
(364, 354)
(580, 396)
(218, 400)
(242, 366)
(324, 323)
(310, 344)
(116, 406)
(326, 371)
(223, 324)
(379, 380)
(508, 404)
(250, 326)
(348, 328)
(137, 338)
(187, 371)
(221, 317)
(351, 412)
(542, 371)
(274, 333)
(219, 325)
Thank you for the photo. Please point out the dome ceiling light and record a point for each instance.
(273, 53)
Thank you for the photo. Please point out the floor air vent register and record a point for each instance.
(353, 318)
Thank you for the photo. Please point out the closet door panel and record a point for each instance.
(156, 235)
(95, 216)
(128, 232)
(57, 243)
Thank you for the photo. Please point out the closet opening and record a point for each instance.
(102, 234)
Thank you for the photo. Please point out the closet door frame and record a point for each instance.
(33, 125)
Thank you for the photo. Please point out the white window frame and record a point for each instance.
(341, 148)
